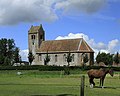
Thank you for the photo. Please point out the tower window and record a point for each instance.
(32, 36)
(33, 39)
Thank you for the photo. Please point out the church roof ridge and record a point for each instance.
(64, 39)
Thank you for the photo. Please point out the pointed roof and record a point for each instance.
(41, 28)
(35, 29)
(72, 45)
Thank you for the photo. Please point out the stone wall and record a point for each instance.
(59, 59)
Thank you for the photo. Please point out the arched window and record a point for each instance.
(64, 57)
(33, 39)
(40, 57)
(73, 57)
(56, 58)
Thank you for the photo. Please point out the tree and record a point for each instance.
(7, 49)
(98, 58)
(3, 50)
(109, 60)
(69, 58)
(30, 57)
(116, 58)
(17, 57)
(85, 59)
(106, 58)
(47, 58)
(7, 61)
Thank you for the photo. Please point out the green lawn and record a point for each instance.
(53, 83)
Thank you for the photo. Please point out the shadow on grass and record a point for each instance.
(56, 95)
(65, 85)
(106, 87)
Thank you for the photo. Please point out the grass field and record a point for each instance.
(54, 83)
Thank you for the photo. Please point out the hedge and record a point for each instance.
(52, 68)
(32, 67)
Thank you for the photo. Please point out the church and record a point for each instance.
(57, 49)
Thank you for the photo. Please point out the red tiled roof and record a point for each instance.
(73, 45)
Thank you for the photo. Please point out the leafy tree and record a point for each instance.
(17, 57)
(116, 58)
(7, 49)
(7, 61)
(30, 57)
(106, 58)
(109, 59)
(85, 59)
(98, 58)
(47, 58)
(69, 58)
(2, 57)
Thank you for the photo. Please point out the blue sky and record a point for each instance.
(97, 21)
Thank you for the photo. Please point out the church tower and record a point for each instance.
(36, 35)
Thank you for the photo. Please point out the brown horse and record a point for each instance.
(101, 73)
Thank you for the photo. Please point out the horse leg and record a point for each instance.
(102, 83)
(91, 82)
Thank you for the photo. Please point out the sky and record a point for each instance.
(97, 21)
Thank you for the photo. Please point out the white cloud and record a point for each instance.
(24, 55)
(111, 47)
(100, 46)
(17, 11)
(77, 6)
(72, 36)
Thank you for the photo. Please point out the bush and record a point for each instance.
(53, 68)
(66, 70)
(32, 67)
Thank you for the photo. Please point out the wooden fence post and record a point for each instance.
(119, 75)
(82, 86)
